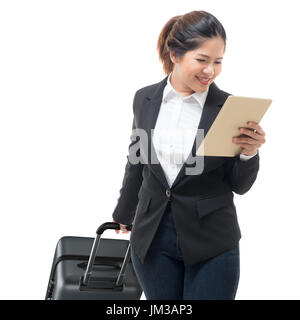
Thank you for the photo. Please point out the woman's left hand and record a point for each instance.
(251, 139)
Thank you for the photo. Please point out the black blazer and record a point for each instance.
(203, 208)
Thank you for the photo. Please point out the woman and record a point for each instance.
(185, 234)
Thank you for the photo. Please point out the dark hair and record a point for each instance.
(186, 32)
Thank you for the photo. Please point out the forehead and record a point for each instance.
(211, 48)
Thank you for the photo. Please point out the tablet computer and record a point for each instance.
(235, 113)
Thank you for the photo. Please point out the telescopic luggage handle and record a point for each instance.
(110, 225)
(100, 230)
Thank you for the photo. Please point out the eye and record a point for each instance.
(201, 60)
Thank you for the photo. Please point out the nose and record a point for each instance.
(209, 70)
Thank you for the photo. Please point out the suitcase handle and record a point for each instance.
(100, 230)
(110, 225)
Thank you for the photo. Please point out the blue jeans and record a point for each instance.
(163, 275)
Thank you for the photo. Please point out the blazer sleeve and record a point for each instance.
(124, 211)
(241, 174)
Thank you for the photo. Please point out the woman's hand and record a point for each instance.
(123, 228)
(251, 139)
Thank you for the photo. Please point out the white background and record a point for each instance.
(68, 74)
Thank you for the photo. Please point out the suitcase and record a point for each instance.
(93, 269)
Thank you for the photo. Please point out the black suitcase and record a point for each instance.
(93, 269)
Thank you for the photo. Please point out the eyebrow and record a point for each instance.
(204, 55)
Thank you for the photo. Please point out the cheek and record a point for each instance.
(217, 71)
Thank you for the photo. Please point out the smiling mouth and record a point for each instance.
(203, 80)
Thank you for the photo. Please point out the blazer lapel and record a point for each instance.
(215, 99)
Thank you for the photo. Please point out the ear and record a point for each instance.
(173, 57)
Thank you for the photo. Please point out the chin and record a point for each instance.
(205, 87)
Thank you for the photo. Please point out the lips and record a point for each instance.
(204, 81)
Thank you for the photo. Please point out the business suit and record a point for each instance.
(202, 205)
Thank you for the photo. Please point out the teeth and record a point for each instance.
(203, 79)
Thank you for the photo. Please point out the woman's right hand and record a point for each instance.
(123, 228)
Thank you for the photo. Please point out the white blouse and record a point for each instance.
(176, 129)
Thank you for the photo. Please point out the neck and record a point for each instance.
(179, 87)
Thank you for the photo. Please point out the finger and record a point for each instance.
(247, 147)
(251, 133)
(257, 127)
(244, 140)
(125, 230)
